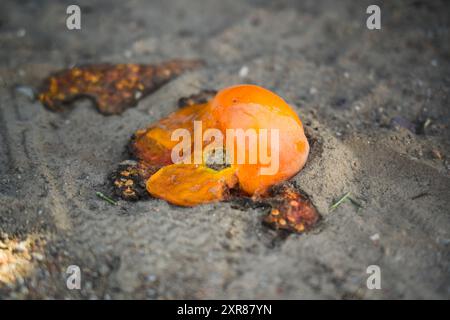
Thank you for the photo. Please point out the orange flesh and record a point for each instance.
(154, 145)
(190, 185)
(238, 107)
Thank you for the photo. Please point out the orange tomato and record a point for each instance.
(253, 107)
(240, 107)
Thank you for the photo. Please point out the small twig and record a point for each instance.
(106, 198)
(340, 201)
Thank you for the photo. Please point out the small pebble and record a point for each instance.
(243, 72)
(375, 237)
(25, 91)
(21, 33)
(37, 256)
(436, 154)
(20, 247)
(137, 95)
(151, 278)
(103, 270)
(128, 54)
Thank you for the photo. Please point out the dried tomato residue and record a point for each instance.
(113, 87)
(291, 209)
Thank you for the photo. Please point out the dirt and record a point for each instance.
(375, 104)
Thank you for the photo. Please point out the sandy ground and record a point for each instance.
(351, 87)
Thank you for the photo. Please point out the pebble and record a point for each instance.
(137, 95)
(312, 91)
(243, 72)
(37, 256)
(436, 154)
(375, 237)
(21, 33)
(20, 247)
(128, 54)
(103, 270)
(25, 91)
(151, 278)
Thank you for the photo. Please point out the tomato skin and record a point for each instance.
(253, 107)
(251, 94)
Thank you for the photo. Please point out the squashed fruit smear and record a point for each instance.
(238, 107)
(113, 87)
(188, 184)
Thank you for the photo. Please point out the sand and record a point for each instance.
(375, 104)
